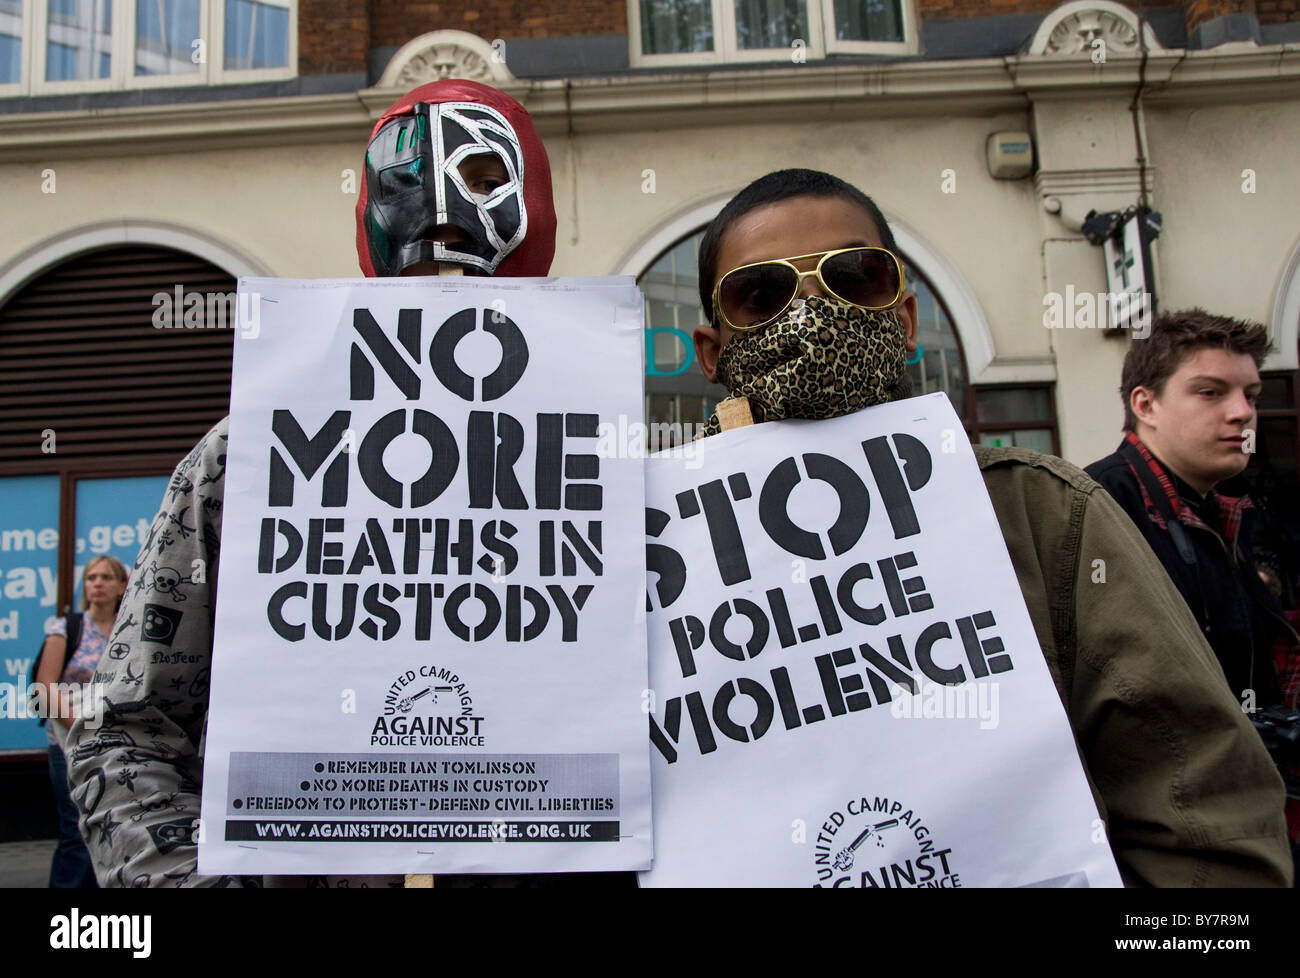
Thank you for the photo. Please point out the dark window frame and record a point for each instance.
(974, 427)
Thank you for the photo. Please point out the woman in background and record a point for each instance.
(103, 584)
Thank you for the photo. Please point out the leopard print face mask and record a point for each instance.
(823, 360)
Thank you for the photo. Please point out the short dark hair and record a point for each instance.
(1174, 336)
(781, 185)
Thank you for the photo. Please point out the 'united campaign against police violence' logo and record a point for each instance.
(880, 842)
(427, 706)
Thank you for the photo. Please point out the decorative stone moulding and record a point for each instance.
(1072, 28)
(439, 55)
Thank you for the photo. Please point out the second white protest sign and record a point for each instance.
(847, 687)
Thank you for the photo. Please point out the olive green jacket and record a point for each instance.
(1188, 793)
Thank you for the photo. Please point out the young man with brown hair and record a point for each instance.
(1187, 791)
(1189, 392)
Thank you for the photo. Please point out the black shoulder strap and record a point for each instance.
(1156, 493)
(72, 626)
(73, 623)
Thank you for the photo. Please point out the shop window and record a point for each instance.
(29, 567)
(108, 515)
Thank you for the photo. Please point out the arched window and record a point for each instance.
(939, 364)
(675, 390)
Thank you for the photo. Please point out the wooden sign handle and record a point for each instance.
(734, 412)
(424, 881)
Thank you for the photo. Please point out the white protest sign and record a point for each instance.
(429, 648)
(847, 686)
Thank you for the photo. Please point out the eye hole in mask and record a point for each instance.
(483, 175)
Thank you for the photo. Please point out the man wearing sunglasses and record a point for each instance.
(810, 317)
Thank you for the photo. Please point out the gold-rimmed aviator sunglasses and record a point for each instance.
(753, 295)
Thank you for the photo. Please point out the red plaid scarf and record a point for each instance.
(1230, 507)
(1230, 510)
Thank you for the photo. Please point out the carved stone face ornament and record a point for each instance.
(416, 193)
(1076, 33)
(442, 61)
